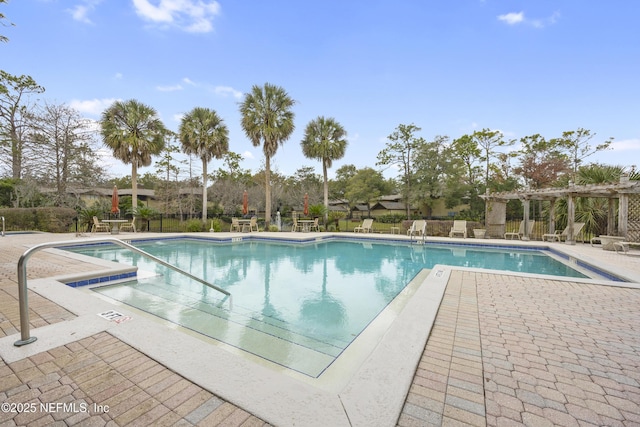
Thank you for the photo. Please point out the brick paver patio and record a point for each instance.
(504, 350)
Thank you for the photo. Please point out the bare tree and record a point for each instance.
(14, 106)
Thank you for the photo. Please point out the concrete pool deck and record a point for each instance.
(503, 349)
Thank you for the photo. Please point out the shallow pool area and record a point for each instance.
(298, 305)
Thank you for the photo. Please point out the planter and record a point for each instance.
(479, 233)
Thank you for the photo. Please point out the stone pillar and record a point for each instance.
(496, 218)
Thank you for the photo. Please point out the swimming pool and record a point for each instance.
(298, 305)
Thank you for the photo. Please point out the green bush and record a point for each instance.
(195, 225)
(49, 219)
(273, 228)
(391, 218)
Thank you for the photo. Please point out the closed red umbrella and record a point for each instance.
(115, 201)
(245, 203)
(306, 204)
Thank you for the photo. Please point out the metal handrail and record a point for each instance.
(22, 277)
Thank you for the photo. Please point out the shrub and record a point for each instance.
(50, 219)
(195, 225)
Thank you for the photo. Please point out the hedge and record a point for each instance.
(50, 219)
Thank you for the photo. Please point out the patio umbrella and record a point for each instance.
(245, 203)
(305, 211)
(115, 201)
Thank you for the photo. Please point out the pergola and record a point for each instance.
(627, 192)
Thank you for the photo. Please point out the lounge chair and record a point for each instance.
(520, 233)
(418, 228)
(99, 226)
(609, 242)
(459, 228)
(559, 236)
(624, 248)
(129, 226)
(365, 227)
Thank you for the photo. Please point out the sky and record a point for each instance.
(522, 67)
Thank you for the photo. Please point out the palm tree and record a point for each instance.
(204, 134)
(267, 120)
(135, 133)
(325, 140)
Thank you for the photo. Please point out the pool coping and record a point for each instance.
(368, 398)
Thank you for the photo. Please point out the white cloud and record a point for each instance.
(118, 76)
(626, 145)
(512, 18)
(194, 16)
(226, 91)
(79, 13)
(247, 155)
(169, 88)
(93, 107)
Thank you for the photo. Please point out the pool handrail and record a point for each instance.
(25, 337)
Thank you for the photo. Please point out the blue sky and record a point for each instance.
(450, 67)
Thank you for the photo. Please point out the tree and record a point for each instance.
(338, 185)
(366, 185)
(488, 141)
(13, 90)
(61, 140)
(204, 134)
(466, 172)
(431, 161)
(135, 133)
(399, 151)
(169, 172)
(576, 144)
(267, 120)
(542, 162)
(325, 140)
(2, 18)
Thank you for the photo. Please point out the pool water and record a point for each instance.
(297, 305)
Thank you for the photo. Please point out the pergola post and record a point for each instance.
(571, 216)
(623, 215)
(525, 207)
(611, 217)
(552, 216)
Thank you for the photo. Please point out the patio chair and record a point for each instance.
(253, 224)
(315, 225)
(99, 226)
(296, 226)
(418, 228)
(459, 228)
(365, 227)
(559, 236)
(129, 226)
(518, 234)
(235, 224)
